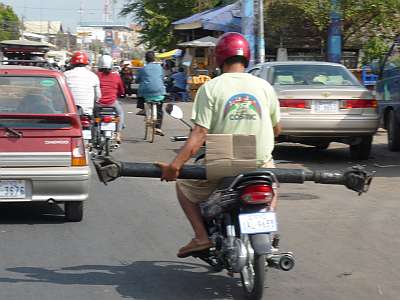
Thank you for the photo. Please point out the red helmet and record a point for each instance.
(232, 44)
(79, 58)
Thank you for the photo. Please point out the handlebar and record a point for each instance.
(354, 178)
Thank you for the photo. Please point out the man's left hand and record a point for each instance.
(169, 173)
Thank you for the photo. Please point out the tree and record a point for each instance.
(156, 17)
(375, 48)
(9, 23)
(361, 20)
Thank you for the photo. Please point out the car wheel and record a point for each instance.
(393, 133)
(74, 211)
(362, 150)
(322, 146)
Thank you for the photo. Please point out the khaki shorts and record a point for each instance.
(197, 191)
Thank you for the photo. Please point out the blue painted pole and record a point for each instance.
(247, 16)
(260, 33)
(335, 33)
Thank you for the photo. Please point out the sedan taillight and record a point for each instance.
(359, 103)
(294, 103)
(78, 153)
(257, 194)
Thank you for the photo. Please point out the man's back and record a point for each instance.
(239, 103)
(150, 79)
(111, 87)
(85, 87)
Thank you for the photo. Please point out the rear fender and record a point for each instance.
(261, 243)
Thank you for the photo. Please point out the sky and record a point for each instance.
(66, 11)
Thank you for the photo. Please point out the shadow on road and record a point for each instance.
(150, 280)
(31, 213)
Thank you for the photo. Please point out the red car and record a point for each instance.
(42, 153)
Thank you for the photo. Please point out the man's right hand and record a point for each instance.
(169, 172)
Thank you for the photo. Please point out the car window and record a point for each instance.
(315, 75)
(255, 72)
(31, 95)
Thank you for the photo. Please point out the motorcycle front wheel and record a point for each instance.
(253, 276)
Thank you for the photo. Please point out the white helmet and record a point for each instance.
(105, 62)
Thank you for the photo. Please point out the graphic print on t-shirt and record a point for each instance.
(242, 107)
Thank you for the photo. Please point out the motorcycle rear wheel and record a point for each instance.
(253, 276)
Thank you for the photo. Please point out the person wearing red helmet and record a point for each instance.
(235, 102)
(83, 83)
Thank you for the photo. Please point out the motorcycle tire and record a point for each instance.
(254, 290)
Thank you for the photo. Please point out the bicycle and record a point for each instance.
(150, 120)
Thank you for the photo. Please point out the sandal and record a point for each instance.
(193, 246)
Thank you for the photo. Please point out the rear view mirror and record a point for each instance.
(174, 111)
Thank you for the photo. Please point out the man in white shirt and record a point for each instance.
(83, 83)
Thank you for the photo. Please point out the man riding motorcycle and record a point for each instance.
(234, 103)
(83, 83)
(111, 87)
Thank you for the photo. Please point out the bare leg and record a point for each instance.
(193, 213)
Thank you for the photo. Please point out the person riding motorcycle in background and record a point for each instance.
(151, 86)
(83, 83)
(111, 87)
(179, 82)
(222, 106)
(127, 77)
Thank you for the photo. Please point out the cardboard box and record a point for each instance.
(230, 155)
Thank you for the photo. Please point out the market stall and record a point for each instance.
(200, 61)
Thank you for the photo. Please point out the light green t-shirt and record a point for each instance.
(239, 103)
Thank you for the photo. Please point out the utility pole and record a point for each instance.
(335, 33)
(247, 14)
(260, 32)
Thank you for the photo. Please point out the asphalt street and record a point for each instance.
(346, 246)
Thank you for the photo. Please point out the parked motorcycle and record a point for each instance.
(104, 131)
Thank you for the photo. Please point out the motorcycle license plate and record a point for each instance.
(258, 223)
(87, 134)
(12, 189)
(108, 126)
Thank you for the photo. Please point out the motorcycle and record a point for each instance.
(242, 227)
(239, 224)
(105, 130)
(87, 124)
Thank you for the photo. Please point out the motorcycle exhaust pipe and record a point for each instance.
(281, 261)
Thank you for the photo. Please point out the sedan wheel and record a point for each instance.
(362, 150)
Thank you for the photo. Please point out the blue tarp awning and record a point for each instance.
(224, 19)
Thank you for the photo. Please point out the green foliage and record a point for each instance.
(361, 19)
(9, 23)
(375, 48)
(156, 17)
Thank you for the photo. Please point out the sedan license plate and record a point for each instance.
(87, 134)
(325, 106)
(12, 189)
(258, 223)
(108, 126)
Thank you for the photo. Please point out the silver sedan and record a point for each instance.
(322, 103)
